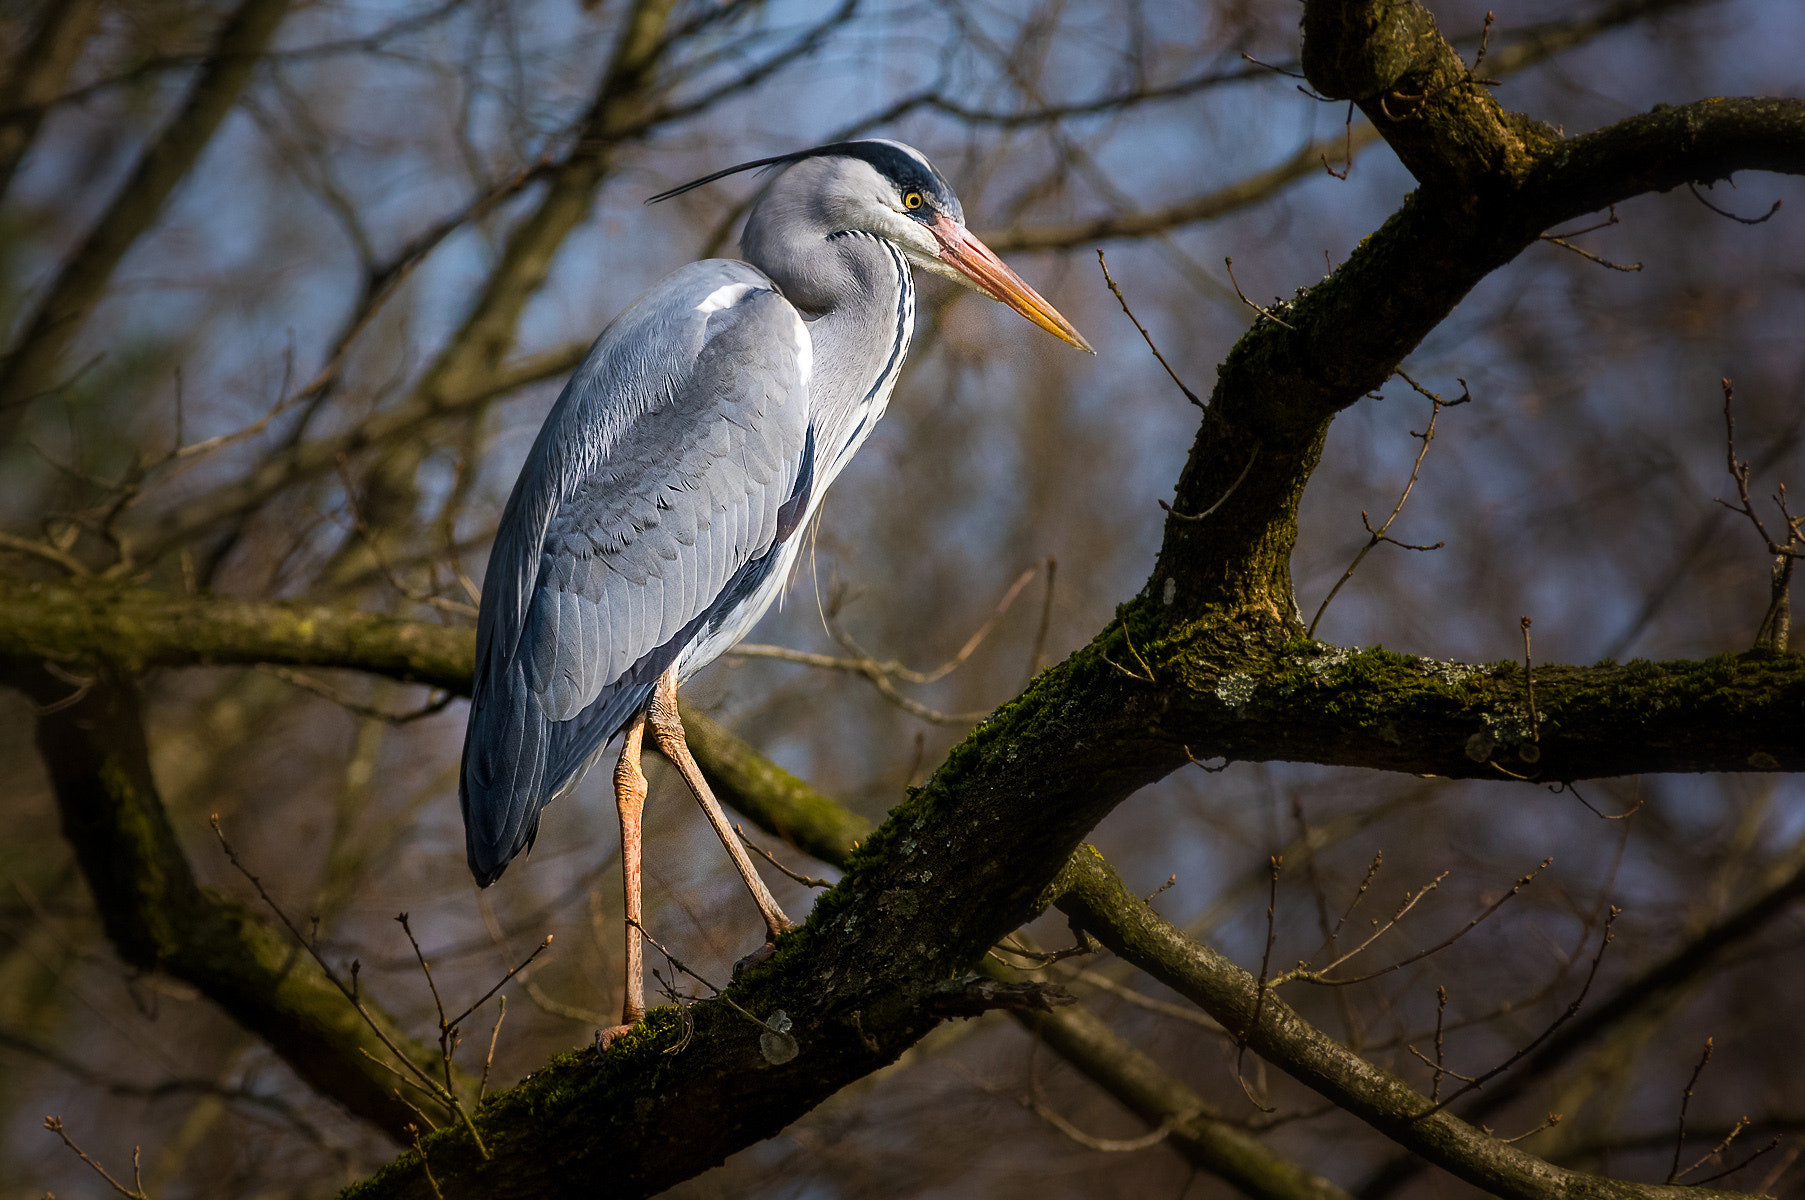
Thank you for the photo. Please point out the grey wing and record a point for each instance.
(662, 482)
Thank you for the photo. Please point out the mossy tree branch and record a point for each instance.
(1217, 689)
(784, 805)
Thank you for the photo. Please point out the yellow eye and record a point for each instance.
(912, 200)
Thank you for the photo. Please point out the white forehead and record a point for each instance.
(852, 178)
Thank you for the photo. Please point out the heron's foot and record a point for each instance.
(605, 1038)
(759, 955)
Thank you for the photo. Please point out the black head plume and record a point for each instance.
(902, 165)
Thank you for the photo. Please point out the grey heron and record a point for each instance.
(657, 515)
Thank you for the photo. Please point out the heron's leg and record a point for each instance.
(667, 734)
(630, 799)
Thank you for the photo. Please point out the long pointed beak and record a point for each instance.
(974, 260)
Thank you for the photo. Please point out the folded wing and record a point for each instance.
(655, 492)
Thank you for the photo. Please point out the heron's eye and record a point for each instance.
(912, 201)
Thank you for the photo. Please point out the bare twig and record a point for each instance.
(1751, 1158)
(1037, 656)
(1774, 208)
(1569, 787)
(424, 1168)
(420, 1077)
(1590, 257)
(1264, 312)
(1775, 629)
(1409, 902)
(1146, 672)
(1225, 495)
(882, 674)
(1679, 1137)
(501, 1015)
(1376, 536)
(1481, 1080)
(1145, 336)
(677, 964)
(1550, 1122)
(307, 683)
(1259, 1003)
(136, 1191)
(1561, 240)
(1347, 150)
(1529, 685)
(1441, 1008)
(805, 880)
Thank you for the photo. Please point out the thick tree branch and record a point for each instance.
(784, 805)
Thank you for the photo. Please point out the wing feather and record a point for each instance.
(655, 486)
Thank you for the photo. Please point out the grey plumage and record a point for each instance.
(658, 513)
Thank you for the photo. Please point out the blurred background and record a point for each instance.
(262, 305)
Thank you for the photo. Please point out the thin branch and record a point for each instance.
(1529, 685)
(1572, 1008)
(1198, 516)
(1376, 536)
(1409, 902)
(44, 550)
(307, 683)
(1264, 312)
(805, 880)
(1774, 208)
(1145, 336)
(135, 1192)
(1679, 1137)
(501, 1015)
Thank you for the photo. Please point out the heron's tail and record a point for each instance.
(501, 784)
(517, 761)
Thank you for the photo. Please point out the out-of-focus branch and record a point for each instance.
(1093, 895)
(36, 75)
(620, 110)
(31, 367)
(159, 917)
(620, 105)
(1243, 193)
(137, 629)
(470, 368)
(1531, 46)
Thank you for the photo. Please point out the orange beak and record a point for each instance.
(974, 260)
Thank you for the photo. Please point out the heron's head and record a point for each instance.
(891, 191)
